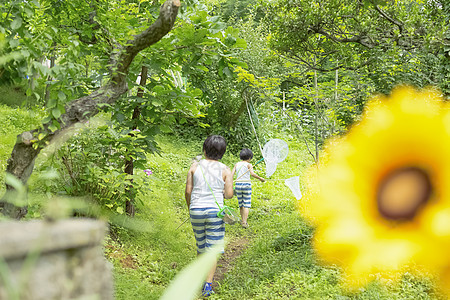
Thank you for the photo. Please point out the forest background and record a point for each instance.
(110, 127)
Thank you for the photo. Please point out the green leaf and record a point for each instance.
(230, 40)
(236, 61)
(25, 53)
(13, 43)
(38, 97)
(46, 119)
(188, 282)
(61, 95)
(102, 105)
(203, 68)
(227, 72)
(52, 127)
(51, 103)
(56, 113)
(165, 129)
(120, 210)
(14, 182)
(156, 102)
(159, 89)
(240, 43)
(41, 136)
(16, 23)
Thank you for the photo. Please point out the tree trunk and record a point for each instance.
(336, 83)
(129, 206)
(316, 115)
(28, 145)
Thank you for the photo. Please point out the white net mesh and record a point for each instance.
(275, 150)
(271, 167)
(294, 184)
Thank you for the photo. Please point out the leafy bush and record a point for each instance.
(93, 161)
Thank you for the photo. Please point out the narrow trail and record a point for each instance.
(226, 262)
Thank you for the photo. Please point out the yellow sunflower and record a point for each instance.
(382, 198)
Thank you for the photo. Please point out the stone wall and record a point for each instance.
(54, 260)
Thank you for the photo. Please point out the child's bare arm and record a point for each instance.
(233, 171)
(253, 174)
(189, 184)
(228, 189)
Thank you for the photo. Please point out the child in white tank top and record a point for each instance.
(243, 186)
(208, 182)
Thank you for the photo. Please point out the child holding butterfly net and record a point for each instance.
(243, 186)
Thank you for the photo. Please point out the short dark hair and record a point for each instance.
(246, 154)
(214, 147)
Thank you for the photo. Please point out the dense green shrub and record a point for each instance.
(92, 163)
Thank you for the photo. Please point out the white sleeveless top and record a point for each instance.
(202, 196)
(241, 168)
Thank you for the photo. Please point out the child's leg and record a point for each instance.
(210, 276)
(198, 219)
(244, 193)
(244, 213)
(240, 197)
(215, 234)
(245, 202)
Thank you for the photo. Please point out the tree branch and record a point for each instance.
(313, 67)
(25, 151)
(362, 40)
(148, 37)
(390, 19)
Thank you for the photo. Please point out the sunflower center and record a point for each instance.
(403, 192)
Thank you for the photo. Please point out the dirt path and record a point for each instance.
(226, 262)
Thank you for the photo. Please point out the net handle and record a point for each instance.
(253, 126)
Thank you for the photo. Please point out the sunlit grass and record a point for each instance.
(13, 122)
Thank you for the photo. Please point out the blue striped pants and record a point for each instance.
(209, 230)
(244, 194)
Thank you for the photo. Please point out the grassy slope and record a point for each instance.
(279, 263)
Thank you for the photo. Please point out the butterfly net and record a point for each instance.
(274, 152)
(294, 184)
(271, 167)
